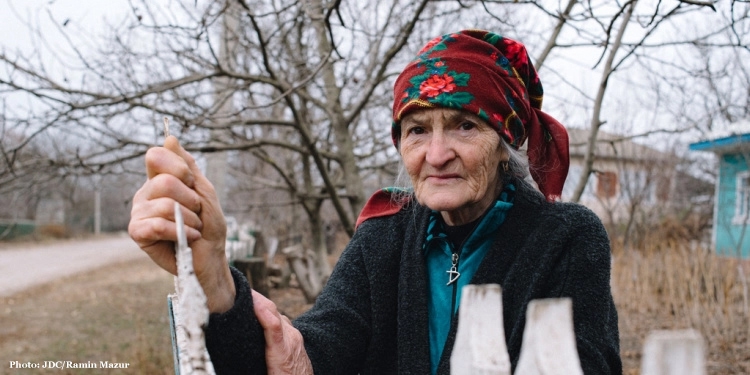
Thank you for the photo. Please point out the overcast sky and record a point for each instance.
(88, 18)
(88, 15)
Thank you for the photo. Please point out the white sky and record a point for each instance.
(89, 15)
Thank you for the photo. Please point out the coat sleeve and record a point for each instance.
(586, 280)
(234, 339)
(336, 329)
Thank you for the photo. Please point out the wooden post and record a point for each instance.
(254, 264)
(273, 246)
(674, 352)
(304, 268)
(189, 311)
(480, 339)
(549, 345)
(256, 273)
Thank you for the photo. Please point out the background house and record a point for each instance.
(634, 188)
(625, 174)
(731, 219)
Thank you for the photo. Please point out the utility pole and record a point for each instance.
(97, 211)
(216, 162)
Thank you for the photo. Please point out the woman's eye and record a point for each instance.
(416, 130)
(466, 125)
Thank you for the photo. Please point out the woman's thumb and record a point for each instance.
(172, 144)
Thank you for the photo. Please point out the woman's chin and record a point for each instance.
(446, 201)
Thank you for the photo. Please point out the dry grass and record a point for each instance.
(117, 314)
(672, 285)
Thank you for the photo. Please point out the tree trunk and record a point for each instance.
(596, 122)
(343, 139)
(552, 41)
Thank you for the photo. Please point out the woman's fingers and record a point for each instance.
(150, 230)
(152, 226)
(174, 176)
(169, 186)
(164, 207)
(152, 217)
(163, 160)
(172, 144)
(285, 350)
(147, 230)
(210, 210)
(269, 318)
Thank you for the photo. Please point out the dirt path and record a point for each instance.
(25, 265)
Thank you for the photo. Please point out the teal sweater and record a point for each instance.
(445, 297)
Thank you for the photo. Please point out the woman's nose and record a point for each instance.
(439, 150)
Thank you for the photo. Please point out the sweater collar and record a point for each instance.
(488, 223)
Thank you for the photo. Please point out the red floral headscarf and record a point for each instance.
(490, 76)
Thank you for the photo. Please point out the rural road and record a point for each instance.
(26, 265)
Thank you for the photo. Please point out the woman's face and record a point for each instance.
(452, 157)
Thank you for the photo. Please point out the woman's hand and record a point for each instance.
(285, 349)
(173, 176)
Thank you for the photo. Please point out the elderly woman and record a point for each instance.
(462, 109)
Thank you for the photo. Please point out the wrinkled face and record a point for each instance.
(452, 158)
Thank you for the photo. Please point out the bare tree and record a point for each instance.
(292, 82)
(682, 64)
(627, 44)
(303, 87)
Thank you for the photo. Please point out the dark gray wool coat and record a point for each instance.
(371, 318)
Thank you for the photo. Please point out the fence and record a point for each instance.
(246, 249)
(548, 345)
(188, 312)
(10, 229)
